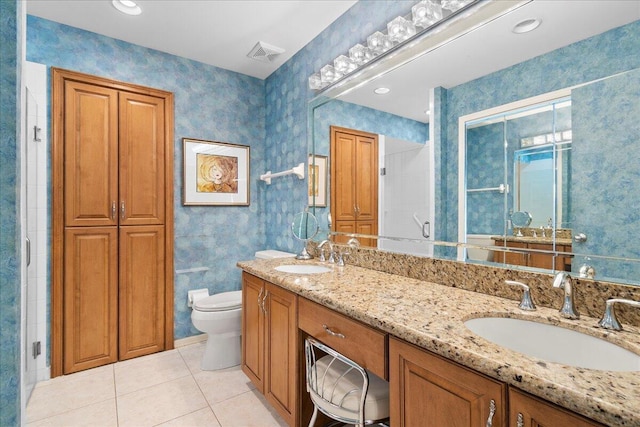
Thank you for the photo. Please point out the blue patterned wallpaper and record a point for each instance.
(287, 97)
(210, 104)
(10, 133)
(605, 163)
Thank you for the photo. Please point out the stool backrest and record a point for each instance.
(337, 385)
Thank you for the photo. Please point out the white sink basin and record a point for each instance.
(303, 269)
(554, 344)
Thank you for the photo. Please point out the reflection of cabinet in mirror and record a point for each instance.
(354, 183)
(533, 258)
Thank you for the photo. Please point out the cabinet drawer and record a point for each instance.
(360, 343)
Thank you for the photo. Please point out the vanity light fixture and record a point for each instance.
(526, 26)
(381, 90)
(127, 7)
(420, 18)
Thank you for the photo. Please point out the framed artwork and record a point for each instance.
(215, 173)
(318, 181)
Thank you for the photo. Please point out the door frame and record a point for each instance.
(58, 78)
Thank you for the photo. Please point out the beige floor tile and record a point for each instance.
(223, 384)
(247, 410)
(192, 355)
(160, 403)
(201, 418)
(102, 414)
(69, 392)
(143, 372)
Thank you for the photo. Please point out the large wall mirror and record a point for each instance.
(565, 97)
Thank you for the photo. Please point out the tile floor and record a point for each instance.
(162, 389)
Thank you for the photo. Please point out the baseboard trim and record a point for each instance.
(194, 339)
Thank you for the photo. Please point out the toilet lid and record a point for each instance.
(220, 302)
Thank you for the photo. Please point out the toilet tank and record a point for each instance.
(273, 254)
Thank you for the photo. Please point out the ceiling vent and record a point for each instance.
(264, 52)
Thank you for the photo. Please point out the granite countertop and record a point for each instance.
(432, 315)
(532, 239)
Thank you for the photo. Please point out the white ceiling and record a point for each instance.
(216, 32)
(491, 48)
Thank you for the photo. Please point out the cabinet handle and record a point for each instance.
(264, 302)
(113, 210)
(332, 333)
(122, 211)
(520, 421)
(260, 299)
(492, 412)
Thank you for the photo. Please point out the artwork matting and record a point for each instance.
(215, 173)
(318, 181)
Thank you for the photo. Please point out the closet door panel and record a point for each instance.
(367, 179)
(142, 169)
(142, 292)
(91, 298)
(90, 155)
(343, 162)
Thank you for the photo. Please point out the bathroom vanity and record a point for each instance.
(537, 252)
(412, 333)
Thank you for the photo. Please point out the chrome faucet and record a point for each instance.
(564, 281)
(331, 253)
(609, 319)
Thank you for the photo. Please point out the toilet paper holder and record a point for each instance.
(195, 295)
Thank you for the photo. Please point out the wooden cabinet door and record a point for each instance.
(368, 228)
(142, 291)
(253, 290)
(529, 411)
(428, 390)
(366, 178)
(542, 260)
(90, 155)
(281, 351)
(343, 164)
(142, 176)
(91, 297)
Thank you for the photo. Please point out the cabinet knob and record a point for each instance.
(520, 420)
(122, 210)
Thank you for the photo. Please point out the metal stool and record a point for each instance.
(342, 389)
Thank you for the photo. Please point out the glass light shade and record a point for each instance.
(379, 43)
(315, 82)
(360, 54)
(426, 13)
(328, 74)
(343, 64)
(454, 5)
(400, 29)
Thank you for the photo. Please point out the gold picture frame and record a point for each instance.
(215, 173)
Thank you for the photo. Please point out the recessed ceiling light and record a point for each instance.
(382, 91)
(526, 26)
(127, 6)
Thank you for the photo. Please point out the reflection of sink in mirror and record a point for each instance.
(554, 344)
(302, 269)
(479, 254)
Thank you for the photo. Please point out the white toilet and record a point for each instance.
(219, 316)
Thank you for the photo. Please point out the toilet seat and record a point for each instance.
(220, 302)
